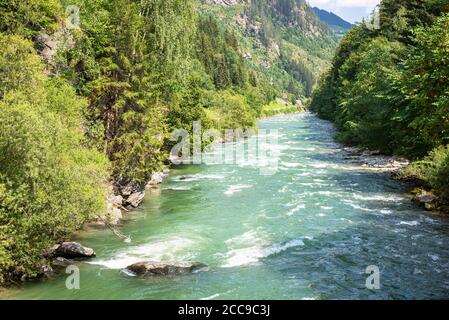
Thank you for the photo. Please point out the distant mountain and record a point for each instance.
(332, 19)
(284, 41)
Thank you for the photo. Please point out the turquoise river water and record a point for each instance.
(308, 231)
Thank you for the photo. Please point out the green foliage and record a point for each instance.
(388, 89)
(278, 107)
(218, 51)
(366, 100)
(30, 17)
(20, 67)
(123, 85)
(284, 45)
(432, 170)
(231, 111)
(49, 183)
(424, 81)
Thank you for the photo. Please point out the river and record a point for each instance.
(308, 231)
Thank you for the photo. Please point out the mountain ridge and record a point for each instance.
(332, 19)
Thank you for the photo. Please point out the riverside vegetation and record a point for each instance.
(388, 90)
(85, 106)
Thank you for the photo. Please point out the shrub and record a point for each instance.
(433, 170)
(231, 111)
(50, 184)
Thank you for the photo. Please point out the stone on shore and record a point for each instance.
(72, 250)
(132, 195)
(426, 200)
(374, 160)
(60, 262)
(151, 268)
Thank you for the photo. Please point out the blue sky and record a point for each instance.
(350, 10)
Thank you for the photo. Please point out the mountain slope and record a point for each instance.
(283, 40)
(332, 19)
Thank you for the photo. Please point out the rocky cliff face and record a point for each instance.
(297, 14)
(289, 13)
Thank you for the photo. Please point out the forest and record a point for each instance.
(388, 88)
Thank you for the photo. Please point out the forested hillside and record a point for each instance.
(282, 40)
(388, 88)
(91, 105)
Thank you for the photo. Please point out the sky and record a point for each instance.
(350, 10)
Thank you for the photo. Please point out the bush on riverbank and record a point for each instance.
(50, 184)
(433, 170)
(229, 110)
(276, 107)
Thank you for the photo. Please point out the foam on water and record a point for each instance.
(172, 249)
(180, 188)
(296, 209)
(199, 177)
(378, 197)
(236, 188)
(408, 223)
(357, 206)
(253, 254)
(290, 165)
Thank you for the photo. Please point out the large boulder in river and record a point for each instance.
(152, 268)
(72, 250)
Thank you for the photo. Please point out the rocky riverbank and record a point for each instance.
(123, 199)
(375, 161)
(120, 200)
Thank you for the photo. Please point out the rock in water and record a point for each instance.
(60, 262)
(73, 250)
(183, 178)
(151, 268)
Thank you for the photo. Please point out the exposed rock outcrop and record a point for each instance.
(133, 196)
(430, 201)
(151, 268)
(157, 178)
(48, 46)
(122, 199)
